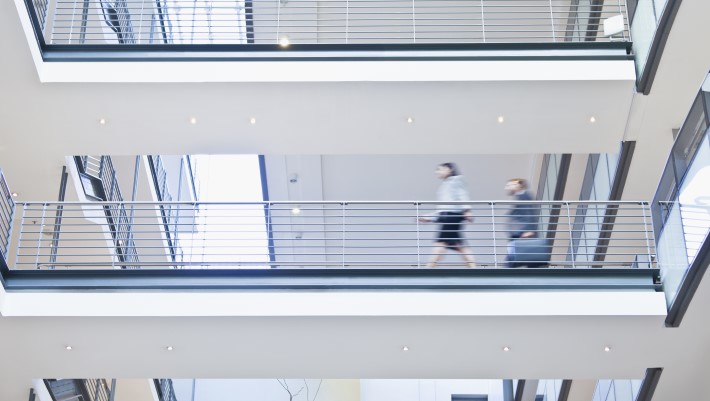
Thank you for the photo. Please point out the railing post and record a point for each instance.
(416, 219)
(571, 239)
(342, 251)
(495, 243)
(644, 205)
(39, 234)
(552, 23)
(483, 22)
(414, 23)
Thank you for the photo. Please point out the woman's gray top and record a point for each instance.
(453, 188)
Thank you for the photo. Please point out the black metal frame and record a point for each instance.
(658, 45)
(650, 381)
(617, 188)
(335, 279)
(172, 246)
(267, 213)
(689, 285)
(564, 390)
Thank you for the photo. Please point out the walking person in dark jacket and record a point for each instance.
(523, 218)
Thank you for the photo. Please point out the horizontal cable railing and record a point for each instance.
(287, 22)
(328, 235)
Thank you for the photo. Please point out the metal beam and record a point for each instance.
(648, 387)
(526, 390)
(690, 285)
(310, 279)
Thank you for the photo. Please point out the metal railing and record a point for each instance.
(80, 389)
(333, 22)
(7, 211)
(325, 235)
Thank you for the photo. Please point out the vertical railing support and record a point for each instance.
(419, 241)
(495, 233)
(571, 238)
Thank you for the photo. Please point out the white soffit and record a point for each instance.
(338, 71)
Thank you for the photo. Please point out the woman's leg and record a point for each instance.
(467, 256)
(463, 250)
(438, 251)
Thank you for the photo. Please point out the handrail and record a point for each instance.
(402, 202)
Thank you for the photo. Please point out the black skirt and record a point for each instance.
(450, 231)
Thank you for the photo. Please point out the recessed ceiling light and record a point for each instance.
(607, 349)
(592, 119)
(169, 348)
(501, 119)
(193, 120)
(252, 120)
(284, 42)
(506, 348)
(14, 194)
(296, 210)
(68, 348)
(410, 120)
(405, 348)
(102, 121)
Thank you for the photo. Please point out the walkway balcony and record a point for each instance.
(330, 245)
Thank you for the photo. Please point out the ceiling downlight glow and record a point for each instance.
(501, 119)
(506, 348)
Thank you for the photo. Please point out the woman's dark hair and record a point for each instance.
(451, 166)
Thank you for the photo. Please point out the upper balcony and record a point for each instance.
(373, 33)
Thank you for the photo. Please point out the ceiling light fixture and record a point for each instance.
(193, 120)
(410, 120)
(14, 194)
(102, 121)
(68, 348)
(284, 42)
(405, 348)
(169, 348)
(592, 119)
(252, 120)
(607, 349)
(506, 348)
(501, 119)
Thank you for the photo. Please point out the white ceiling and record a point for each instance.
(40, 123)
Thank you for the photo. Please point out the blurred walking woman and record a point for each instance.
(451, 217)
